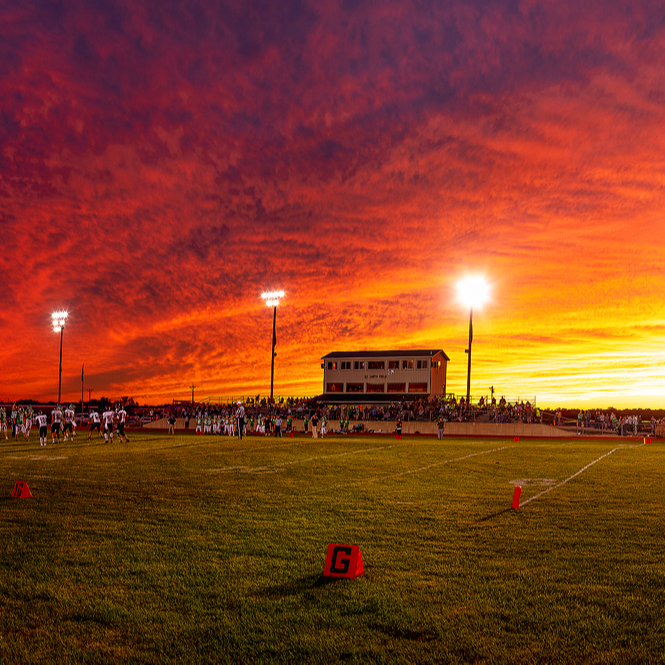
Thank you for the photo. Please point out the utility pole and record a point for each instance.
(192, 389)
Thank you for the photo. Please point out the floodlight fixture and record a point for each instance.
(59, 319)
(473, 291)
(272, 299)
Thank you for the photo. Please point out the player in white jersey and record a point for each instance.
(3, 422)
(122, 419)
(107, 422)
(69, 422)
(56, 423)
(42, 423)
(95, 424)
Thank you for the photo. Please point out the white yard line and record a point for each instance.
(282, 465)
(577, 473)
(404, 473)
(431, 466)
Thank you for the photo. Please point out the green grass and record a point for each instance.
(191, 549)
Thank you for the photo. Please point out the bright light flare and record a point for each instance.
(272, 298)
(473, 291)
(59, 319)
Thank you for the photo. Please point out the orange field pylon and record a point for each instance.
(516, 497)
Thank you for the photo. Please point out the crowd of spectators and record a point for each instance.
(428, 409)
(451, 408)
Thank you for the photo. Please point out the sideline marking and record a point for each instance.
(250, 469)
(403, 473)
(431, 466)
(563, 482)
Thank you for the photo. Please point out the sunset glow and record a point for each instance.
(161, 165)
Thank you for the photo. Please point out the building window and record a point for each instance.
(417, 387)
(359, 364)
(407, 364)
(332, 365)
(376, 364)
(397, 387)
(354, 387)
(423, 364)
(376, 388)
(436, 364)
(393, 364)
(334, 387)
(346, 364)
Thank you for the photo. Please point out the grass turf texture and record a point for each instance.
(191, 549)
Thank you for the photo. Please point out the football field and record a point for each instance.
(209, 549)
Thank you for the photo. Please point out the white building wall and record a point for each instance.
(377, 376)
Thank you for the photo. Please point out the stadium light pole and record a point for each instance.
(272, 299)
(472, 292)
(59, 319)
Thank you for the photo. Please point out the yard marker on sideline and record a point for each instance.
(343, 561)
(516, 497)
(21, 490)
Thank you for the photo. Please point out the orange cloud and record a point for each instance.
(159, 169)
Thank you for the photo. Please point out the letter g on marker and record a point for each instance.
(339, 565)
(343, 561)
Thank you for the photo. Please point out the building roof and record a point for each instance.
(418, 353)
(369, 398)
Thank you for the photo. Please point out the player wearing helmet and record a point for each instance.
(122, 419)
(42, 422)
(107, 421)
(95, 424)
(69, 422)
(56, 423)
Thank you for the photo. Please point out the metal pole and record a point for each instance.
(60, 370)
(272, 357)
(468, 373)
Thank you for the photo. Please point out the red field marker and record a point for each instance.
(343, 561)
(21, 490)
(516, 497)
(517, 438)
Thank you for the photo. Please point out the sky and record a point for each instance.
(163, 163)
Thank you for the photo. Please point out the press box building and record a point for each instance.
(383, 376)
